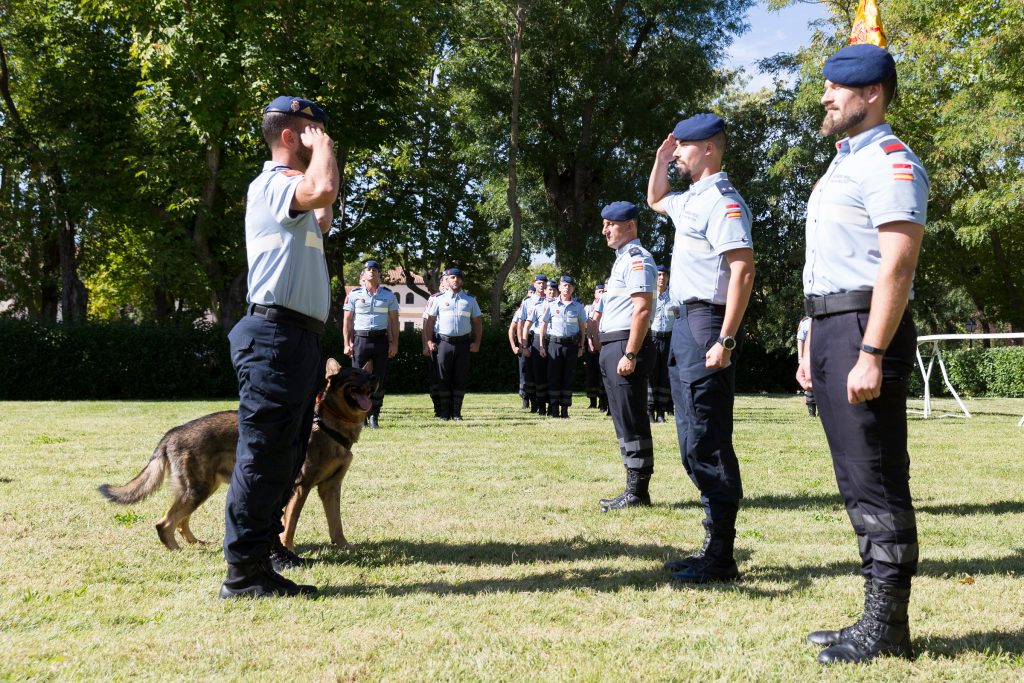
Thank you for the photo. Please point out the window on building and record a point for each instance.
(410, 298)
(409, 325)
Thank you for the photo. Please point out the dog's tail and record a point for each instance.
(145, 482)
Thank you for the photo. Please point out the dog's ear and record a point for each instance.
(368, 367)
(333, 367)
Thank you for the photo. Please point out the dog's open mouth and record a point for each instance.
(358, 398)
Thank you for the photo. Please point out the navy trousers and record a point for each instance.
(561, 372)
(592, 375)
(704, 404)
(869, 442)
(453, 374)
(537, 370)
(279, 369)
(376, 349)
(659, 393)
(627, 402)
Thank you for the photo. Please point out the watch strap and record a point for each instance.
(873, 350)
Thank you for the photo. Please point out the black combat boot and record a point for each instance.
(282, 559)
(593, 402)
(659, 416)
(526, 404)
(717, 564)
(680, 565)
(542, 408)
(650, 414)
(257, 579)
(457, 408)
(533, 405)
(565, 411)
(826, 638)
(552, 410)
(884, 629)
(371, 421)
(812, 405)
(635, 495)
(602, 404)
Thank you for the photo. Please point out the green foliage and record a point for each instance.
(978, 372)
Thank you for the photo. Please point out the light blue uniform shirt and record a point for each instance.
(634, 271)
(803, 329)
(874, 179)
(526, 308)
(537, 313)
(371, 310)
(710, 219)
(564, 319)
(285, 253)
(660, 322)
(453, 313)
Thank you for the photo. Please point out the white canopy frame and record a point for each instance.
(936, 354)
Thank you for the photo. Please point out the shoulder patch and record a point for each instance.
(635, 251)
(290, 172)
(725, 187)
(892, 146)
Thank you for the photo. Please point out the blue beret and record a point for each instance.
(540, 276)
(453, 271)
(531, 288)
(372, 264)
(568, 278)
(859, 65)
(599, 285)
(698, 127)
(620, 211)
(661, 269)
(296, 106)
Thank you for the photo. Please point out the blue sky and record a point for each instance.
(771, 33)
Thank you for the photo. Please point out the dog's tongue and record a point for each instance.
(364, 401)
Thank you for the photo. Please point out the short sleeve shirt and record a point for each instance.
(454, 313)
(633, 272)
(710, 219)
(874, 179)
(285, 252)
(565, 319)
(803, 329)
(660, 322)
(371, 310)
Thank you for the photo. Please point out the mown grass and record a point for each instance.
(481, 554)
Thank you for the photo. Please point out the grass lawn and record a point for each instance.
(481, 554)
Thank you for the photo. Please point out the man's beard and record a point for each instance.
(835, 123)
(685, 175)
(305, 155)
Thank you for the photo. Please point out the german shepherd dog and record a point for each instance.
(200, 455)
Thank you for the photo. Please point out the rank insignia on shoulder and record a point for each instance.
(725, 187)
(385, 288)
(893, 146)
(635, 251)
(290, 172)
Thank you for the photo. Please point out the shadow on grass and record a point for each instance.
(835, 504)
(992, 643)
(1001, 507)
(493, 553)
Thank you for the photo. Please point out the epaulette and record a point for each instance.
(892, 146)
(435, 294)
(725, 187)
(386, 289)
(635, 251)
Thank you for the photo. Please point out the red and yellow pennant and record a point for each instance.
(867, 25)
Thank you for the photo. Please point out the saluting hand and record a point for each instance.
(667, 150)
(312, 137)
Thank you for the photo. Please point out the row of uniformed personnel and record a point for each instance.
(865, 223)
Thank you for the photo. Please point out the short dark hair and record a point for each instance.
(719, 140)
(889, 90)
(274, 122)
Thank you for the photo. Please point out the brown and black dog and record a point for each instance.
(200, 455)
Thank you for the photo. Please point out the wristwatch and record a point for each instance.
(873, 350)
(728, 342)
(630, 356)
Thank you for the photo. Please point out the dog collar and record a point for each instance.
(334, 434)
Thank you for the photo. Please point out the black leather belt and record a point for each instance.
(445, 337)
(564, 340)
(371, 333)
(617, 335)
(704, 306)
(843, 302)
(280, 314)
(662, 335)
